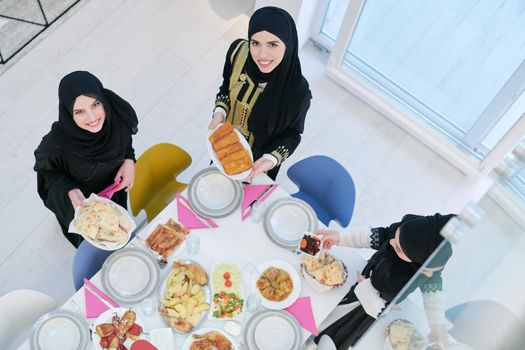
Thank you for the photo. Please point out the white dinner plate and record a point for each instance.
(212, 194)
(60, 329)
(101, 244)
(106, 317)
(189, 339)
(206, 290)
(272, 330)
(130, 275)
(286, 220)
(294, 275)
(216, 160)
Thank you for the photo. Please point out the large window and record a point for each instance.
(457, 67)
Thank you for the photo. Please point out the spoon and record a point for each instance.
(162, 261)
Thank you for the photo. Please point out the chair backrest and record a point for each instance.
(157, 167)
(486, 324)
(327, 186)
(87, 261)
(20, 309)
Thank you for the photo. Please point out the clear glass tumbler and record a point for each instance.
(192, 244)
(258, 210)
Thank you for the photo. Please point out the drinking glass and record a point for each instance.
(148, 305)
(258, 210)
(253, 302)
(192, 244)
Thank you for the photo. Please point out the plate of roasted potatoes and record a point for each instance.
(184, 297)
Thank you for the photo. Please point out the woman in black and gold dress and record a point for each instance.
(264, 94)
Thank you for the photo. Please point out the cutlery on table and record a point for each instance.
(250, 206)
(162, 261)
(202, 219)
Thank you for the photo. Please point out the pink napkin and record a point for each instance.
(302, 311)
(188, 218)
(251, 192)
(110, 190)
(95, 307)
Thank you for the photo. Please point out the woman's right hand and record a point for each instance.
(77, 198)
(217, 119)
(331, 238)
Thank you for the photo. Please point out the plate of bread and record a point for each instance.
(324, 272)
(230, 151)
(103, 223)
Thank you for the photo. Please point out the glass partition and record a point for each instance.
(482, 303)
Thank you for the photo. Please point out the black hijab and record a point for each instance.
(112, 140)
(287, 89)
(419, 237)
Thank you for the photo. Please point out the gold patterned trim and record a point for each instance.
(281, 153)
(224, 102)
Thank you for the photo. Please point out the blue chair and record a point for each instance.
(87, 261)
(326, 186)
(486, 324)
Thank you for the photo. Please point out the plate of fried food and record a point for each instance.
(278, 283)
(165, 236)
(184, 296)
(103, 223)
(230, 151)
(115, 326)
(324, 272)
(209, 338)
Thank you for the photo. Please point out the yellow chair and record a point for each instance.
(155, 178)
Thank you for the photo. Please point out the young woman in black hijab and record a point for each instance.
(87, 149)
(264, 94)
(402, 248)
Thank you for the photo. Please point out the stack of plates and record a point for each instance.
(130, 275)
(60, 329)
(213, 194)
(286, 220)
(272, 330)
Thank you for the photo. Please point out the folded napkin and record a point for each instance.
(302, 311)
(188, 218)
(110, 190)
(251, 192)
(94, 307)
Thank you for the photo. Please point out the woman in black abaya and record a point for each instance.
(264, 94)
(87, 149)
(402, 248)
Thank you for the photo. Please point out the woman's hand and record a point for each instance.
(360, 278)
(217, 119)
(331, 238)
(76, 197)
(127, 175)
(260, 166)
(439, 334)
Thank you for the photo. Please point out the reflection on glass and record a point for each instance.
(482, 304)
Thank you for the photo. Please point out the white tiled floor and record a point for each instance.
(166, 57)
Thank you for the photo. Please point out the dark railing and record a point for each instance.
(40, 27)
